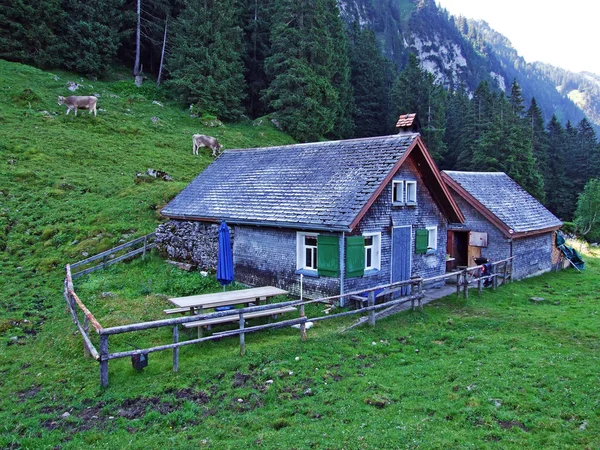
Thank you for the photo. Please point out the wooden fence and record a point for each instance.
(136, 247)
(464, 279)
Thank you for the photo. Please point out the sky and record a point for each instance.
(562, 33)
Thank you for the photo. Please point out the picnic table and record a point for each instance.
(197, 303)
(228, 298)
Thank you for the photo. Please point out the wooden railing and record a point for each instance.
(108, 258)
(464, 278)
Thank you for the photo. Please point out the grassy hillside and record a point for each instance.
(496, 371)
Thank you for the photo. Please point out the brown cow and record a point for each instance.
(201, 140)
(74, 101)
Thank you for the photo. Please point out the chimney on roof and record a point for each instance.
(408, 123)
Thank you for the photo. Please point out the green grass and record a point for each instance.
(496, 371)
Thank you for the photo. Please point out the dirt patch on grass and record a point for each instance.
(240, 379)
(192, 395)
(28, 393)
(512, 423)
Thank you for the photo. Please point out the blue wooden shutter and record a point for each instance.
(421, 241)
(328, 256)
(355, 256)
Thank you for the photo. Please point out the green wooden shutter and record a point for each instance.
(328, 256)
(421, 241)
(355, 256)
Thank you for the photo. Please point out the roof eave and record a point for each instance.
(263, 223)
(522, 234)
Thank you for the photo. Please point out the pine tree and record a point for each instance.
(205, 63)
(93, 33)
(30, 32)
(414, 90)
(539, 138)
(308, 69)
(479, 117)
(371, 75)
(559, 188)
(583, 160)
(257, 43)
(516, 99)
(459, 133)
(504, 146)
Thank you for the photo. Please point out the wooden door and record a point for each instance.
(402, 255)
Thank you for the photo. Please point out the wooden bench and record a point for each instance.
(177, 310)
(236, 317)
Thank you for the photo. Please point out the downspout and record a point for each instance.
(512, 265)
(342, 267)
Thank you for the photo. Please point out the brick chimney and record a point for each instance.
(408, 123)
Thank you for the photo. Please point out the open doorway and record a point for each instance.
(458, 249)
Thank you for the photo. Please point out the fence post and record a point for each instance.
(479, 285)
(144, 252)
(466, 285)
(494, 281)
(458, 282)
(303, 324)
(372, 312)
(242, 336)
(104, 259)
(86, 329)
(421, 295)
(176, 349)
(104, 360)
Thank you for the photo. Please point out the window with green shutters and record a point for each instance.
(421, 241)
(355, 256)
(328, 256)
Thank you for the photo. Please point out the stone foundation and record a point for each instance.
(195, 243)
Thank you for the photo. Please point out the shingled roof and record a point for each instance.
(323, 185)
(502, 201)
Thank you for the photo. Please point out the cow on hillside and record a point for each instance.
(74, 101)
(201, 140)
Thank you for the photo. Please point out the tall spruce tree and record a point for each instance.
(559, 188)
(504, 146)
(371, 76)
(583, 158)
(308, 70)
(538, 136)
(459, 133)
(30, 32)
(205, 63)
(479, 117)
(414, 91)
(256, 41)
(93, 33)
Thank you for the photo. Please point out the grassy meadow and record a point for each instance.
(497, 371)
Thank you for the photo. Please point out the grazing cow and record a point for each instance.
(201, 140)
(74, 101)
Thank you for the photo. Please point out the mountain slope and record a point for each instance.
(460, 51)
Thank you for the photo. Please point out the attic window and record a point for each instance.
(404, 192)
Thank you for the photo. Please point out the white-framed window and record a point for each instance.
(398, 191)
(432, 240)
(372, 251)
(306, 251)
(404, 192)
(411, 192)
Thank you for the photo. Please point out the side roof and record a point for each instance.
(322, 186)
(503, 201)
